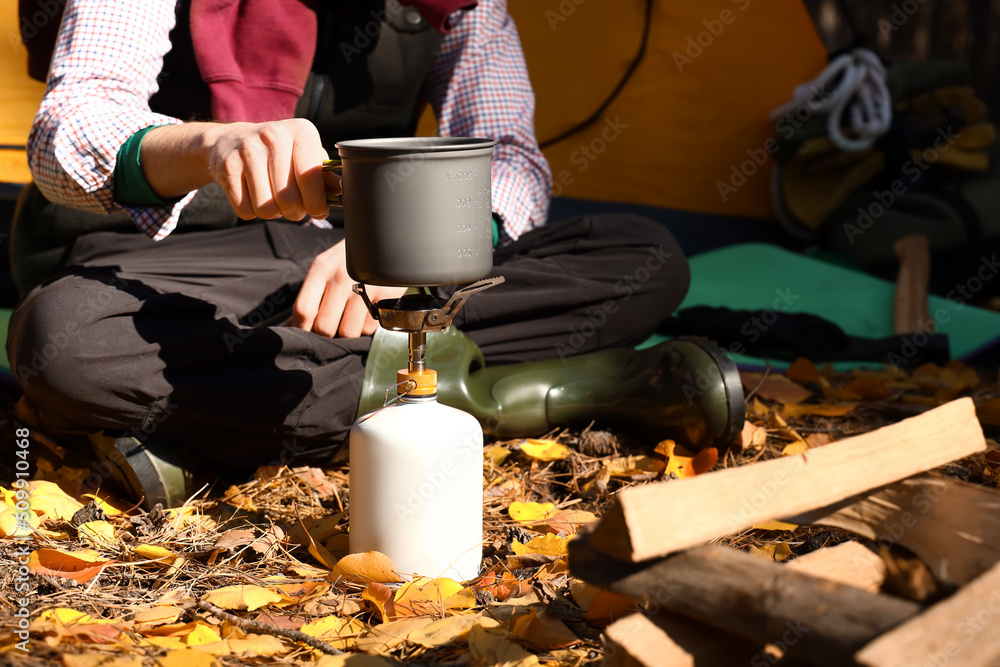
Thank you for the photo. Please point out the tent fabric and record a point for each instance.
(699, 101)
(19, 97)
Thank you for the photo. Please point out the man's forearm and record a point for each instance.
(175, 158)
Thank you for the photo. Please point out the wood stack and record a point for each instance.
(714, 605)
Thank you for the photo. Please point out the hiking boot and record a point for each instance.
(151, 470)
(685, 389)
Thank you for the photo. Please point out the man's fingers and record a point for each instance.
(284, 185)
(258, 178)
(308, 301)
(307, 170)
(331, 310)
(356, 319)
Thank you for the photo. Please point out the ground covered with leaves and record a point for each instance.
(260, 574)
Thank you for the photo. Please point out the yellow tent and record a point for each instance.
(694, 110)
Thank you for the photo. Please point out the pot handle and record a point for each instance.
(337, 167)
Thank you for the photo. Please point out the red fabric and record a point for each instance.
(255, 55)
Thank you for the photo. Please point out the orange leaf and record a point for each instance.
(820, 410)
(367, 567)
(704, 461)
(608, 606)
(869, 388)
(381, 596)
(80, 566)
(803, 371)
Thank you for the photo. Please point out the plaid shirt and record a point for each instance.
(109, 53)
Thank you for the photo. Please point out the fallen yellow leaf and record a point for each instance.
(97, 533)
(775, 525)
(243, 597)
(155, 616)
(335, 631)
(257, 645)
(424, 595)
(531, 512)
(154, 553)
(777, 552)
(365, 568)
(202, 633)
(545, 450)
(48, 499)
(102, 504)
(354, 660)
(630, 466)
(495, 454)
(10, 522)
(795, 448)
(187, 658)
(547, 544)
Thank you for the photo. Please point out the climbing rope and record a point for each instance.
(859, 90)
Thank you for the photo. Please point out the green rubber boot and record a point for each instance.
(685, 389)
(144, 470)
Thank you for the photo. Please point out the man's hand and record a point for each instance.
(326, 303)
(267, 170)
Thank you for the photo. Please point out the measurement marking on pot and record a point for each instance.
(462, 227)
(463, 202)
(465, 252)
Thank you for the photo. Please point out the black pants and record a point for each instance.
(175, 337)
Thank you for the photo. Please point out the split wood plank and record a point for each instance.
(761, 601)
(672, 640)
(952, 526)
(654, 520)
(849, 563)
(963, 629)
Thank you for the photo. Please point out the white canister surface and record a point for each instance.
(416, 488)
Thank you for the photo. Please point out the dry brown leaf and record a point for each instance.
(100, 660)
(152, 617)
(444, 631)
(818, 439)
(989, 412)
(803, 371)
(367, 567)
(753, 436)
(235, 538)
(490, 647)
(543, 631)
(868, 388)
(386, 637)
(775, 387)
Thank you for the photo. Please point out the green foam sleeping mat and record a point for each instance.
(756, 276)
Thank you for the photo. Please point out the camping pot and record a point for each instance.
(417, 211)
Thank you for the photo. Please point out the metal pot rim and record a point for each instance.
(395, 145)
